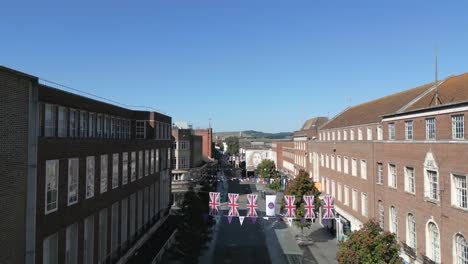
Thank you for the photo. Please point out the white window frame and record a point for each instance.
(333, 188)
(364, 169)
(339, 188)
(360, 134)
(345, 135)
(369, 133)
(364, 204)
(392, 176)
(430, 192)
(459, 191)
(393, 220)
(391, 131)
(380, 173)
(433, 242)
(345, 165)
(409, 130)
(332, 161)
(458, 127)
(460, 249)
(339, 135)
(51, 185)
(327, 161)
(354, 167)
(351, 134)
(338, 163)
(379, 133)
(381, 214)
(431, 126)
(90, 176)
(355, 200)
(411, 239)
(73, 181)
(346, 195)
(410, 183)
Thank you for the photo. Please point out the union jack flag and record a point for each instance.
(290, 206)
(214, 203)
(252, 205)
(328, 207)
(233, 205)
(309, 206)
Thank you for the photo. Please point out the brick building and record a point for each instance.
(402, 159)
(83, 181)
(207, 141)
(188, 153)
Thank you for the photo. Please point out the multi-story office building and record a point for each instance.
(188, 153)
(402, 159)
(82, 180)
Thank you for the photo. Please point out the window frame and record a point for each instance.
(409, 133)
(73, 180)
(56, 164)
(90, 178)
(431, 128)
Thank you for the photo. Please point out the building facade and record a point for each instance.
(188, 153)
(88, 179)
(401, 160)
(207, 141)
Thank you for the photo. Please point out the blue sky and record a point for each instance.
(247, 64)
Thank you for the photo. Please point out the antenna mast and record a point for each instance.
(436, 96)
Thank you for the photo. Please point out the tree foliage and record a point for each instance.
(300, 186)
(232, 145)
(369, 245)
(266, 168)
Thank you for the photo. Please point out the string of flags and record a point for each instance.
(327, 205)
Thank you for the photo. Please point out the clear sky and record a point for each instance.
(247, 64)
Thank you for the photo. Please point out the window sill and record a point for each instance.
(410, 193)
(459, 208)
(429, 200)
(393, 188)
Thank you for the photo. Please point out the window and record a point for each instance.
(124, 221)
(90, 169)
(333, 135)
(50, 249)
(115, 170)
(117, 128)
(363, 169)
(380, 173)
(393, 220)
(408, 130)
(140, 164)
(124, 168)
(345, 165)
(332, 162)
(91, 125)
(83, 124)
(432, 188)
(106, 126)
(459, 191)
(339, 135)
(140, 129)
(328, 135)
(132, 228)
(112, 127)
(364, 204)
(72, 181)
(114, 230)
(157, 160)
(156, 131)
(140, 211)
(391, 131)
(152, 161)
(345, 135)
(49, 127)
(103, 173)
(88, 241)
(99, 126)
(71, 244)
(327, 184)
(133, 167)
(51, 184)
(359, 134)
(461, 250)
(333, 189)
(62, 122)
(431, 128)
(327, 161)
(322, 160)
(320, 136)
(355, 200)
(409, 180)
(351, 132)
(346, 195)
(433, 243)
(354, 167)
(392, 176)
(338, 163)
(369, 133)
(146, 162)
(411, 231)
(339, 192)
(381, 214)
(146, 206)
(458, 127)
(103, 236)
(379, 133)
(73, 123)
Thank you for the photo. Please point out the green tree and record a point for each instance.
(300, 186)
(232, 145)
(369, 245)
(266, 168)
(221, 146)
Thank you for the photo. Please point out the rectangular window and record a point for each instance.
(51, 184)
(363, 169)
(354, 167)
(391, 131)
(50, 249)
(124, 220)
(369, 133)
(458, 127)
(124, 168)
(333, 135)
(346, 165)
(151, 202)
(351, 132)
(364, 204)
(157, 160)
(91, 125)
(152, 161)
(99, 126)
(133, 167)
(71, 244)
(339, 192)
(73, 167)
(146, 206)
(115, 170)
(49, 126)
(322, 160)
(117, 128)
(380, 176)
(359, 134)
(140, 130)
(381, 215)
(433, 181)
(431, 128)
(409, 180)
(355, 200)
(90, 170)
(339, 135)
(327, 161)
(62, 121)
(345, 135)
(379, 133)
(104, 174)
(115, 230)
(140, 211)
(393, 221)
(460, 191)
(338, 163)
(328, 135)
(106, 126)
(346, 195)
(88, 240)
(112, 127)
(83, 124)
(140, 164)
(392, 176)
(332, 162)
(146, 162)
(73, 123)
(333, 189)
(408, 130)
(103, 256)
(132, 228)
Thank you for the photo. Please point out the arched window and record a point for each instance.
(461, 250)
(411, 231)
(433, 242)
(393, 221)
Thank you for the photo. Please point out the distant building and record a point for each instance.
(207, 141)
(183, 125)
(188, 153)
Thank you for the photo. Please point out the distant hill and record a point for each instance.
(253, 134)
